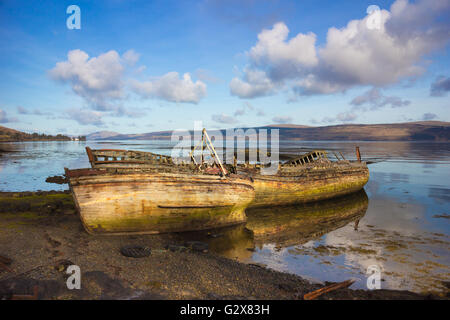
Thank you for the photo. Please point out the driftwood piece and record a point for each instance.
(4, 263)
(5, 267)
(335, 286)
(5, 260)
(34, 296)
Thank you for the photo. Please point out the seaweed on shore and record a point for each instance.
(36, 203)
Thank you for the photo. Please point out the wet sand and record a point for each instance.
(42, 234)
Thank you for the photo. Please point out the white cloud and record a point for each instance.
(346, 116)
(429, 116)
(4, 117)
(255, 84)
(206, 76)
(131, 57)
(85, 116)
(22, 110)
(223, 118)
(357, 55)
(100, 82)
(354, 55)
(283, 57)
(247, 107)
(376, 100)
(372, 98)
(98, 79)
(440, 86)
(172, 88)
(127, 112)
(311, 84)
(282, 119)
(342, 117)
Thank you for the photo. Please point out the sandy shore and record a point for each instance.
(42, 234)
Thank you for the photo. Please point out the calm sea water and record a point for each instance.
(400, 224)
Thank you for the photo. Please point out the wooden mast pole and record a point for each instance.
(217, 159)
(203, 138)
(358, 154)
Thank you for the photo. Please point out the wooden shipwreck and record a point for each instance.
(123, 196)
(197, 194)
(308, 178)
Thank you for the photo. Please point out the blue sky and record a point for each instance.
(141, 66)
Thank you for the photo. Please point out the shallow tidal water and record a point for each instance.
(400, 223)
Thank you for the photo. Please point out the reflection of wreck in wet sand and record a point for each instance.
(292, 225)
(234, 242)
(283, 226)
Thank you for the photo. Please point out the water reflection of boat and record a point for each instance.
(291, 225)
(234, 242)
(283, 226)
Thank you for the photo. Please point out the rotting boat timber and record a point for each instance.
(310, 177)
(154, 199)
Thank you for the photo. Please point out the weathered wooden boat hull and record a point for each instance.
(309, 184)
(149, 203)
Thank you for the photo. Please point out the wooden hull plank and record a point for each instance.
(155, 203)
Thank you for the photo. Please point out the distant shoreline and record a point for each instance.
(11, 135)
(410, 131)
(287, 140)
(31, 140)
(426, 131)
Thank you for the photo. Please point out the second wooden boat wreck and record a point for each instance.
(311, 177)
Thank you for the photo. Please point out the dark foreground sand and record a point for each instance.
(42, 234)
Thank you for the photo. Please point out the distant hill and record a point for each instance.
(101, 135)
(4, 131)
(288, 126)
(409, 131)
(8, 135)
(161, 135)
